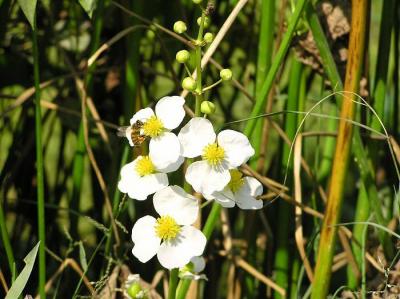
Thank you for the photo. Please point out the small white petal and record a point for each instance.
(142, 115)
(146, 242)
(170, 111)
(141, 187)
(128, 175)
(225, 198)
(165, 152)
(175, 202)
(177, 253)
(128, 135)
(245, 197)
(195, 135)
(199, 263)
(237, 147)
(207, 179)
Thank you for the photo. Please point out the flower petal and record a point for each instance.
(142, 115)
(225, 198)
(128, 135)
(207, 179)
(175, 202)
(148, 185)
(237, 147)
(165, 152)
(128, 175)
(195, 135)
(146, 242)
(177, 253)
(170, 111)
(245, 197)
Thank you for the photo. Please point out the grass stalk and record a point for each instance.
(285, 210)
(342, 153)
(277, 61)
(39, 168)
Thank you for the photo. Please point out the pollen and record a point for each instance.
(166, 228)
(213, 154)
(153, 127)
(145, 166)
(236, 181)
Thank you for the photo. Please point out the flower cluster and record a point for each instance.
(172, 236)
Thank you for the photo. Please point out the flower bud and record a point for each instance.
(182, 56)
(207, 107)
(206, 21)
(197, 1)
(189, 84)
(180, 27)
(135, 290)
(225, 74)
(208, 37)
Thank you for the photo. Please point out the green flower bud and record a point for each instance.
(182, 56)
(180, 27)
(208, 37)
(225, 74)
(206, 107)
(150, 34)
(206, 21)
(189, 84)
(135, 290)
(197, 1)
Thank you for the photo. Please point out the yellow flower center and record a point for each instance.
(236, 181)
(153, 127)
(213, 154)
(145, 166)
(167, 228)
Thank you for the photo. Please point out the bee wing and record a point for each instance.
(122, 131)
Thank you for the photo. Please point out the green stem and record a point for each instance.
(39, 169)
(277, 61)
(199, 88)
(6, 239)
(173, 283)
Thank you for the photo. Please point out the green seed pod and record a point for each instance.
(182, 56)
(207, 107)
(206, 21)
(225, 74)
(189, 84)
(208, 37)
(180, 27)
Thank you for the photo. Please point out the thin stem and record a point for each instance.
(199, 95)
(212, 85)
(173, 283)
(39, 169)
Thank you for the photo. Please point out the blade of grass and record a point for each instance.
(285, 210)
(277, 61)
(342, 153)
(39, 167)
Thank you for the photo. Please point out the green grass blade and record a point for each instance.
(277, 61)
(39, 169)
(19, 284)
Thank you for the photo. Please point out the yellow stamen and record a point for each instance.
(153, 127)
(213, 154)
(145, 166)
(236, 181)
(167, 228)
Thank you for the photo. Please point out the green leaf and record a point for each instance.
(82, 256)
(19, 284)
(29, 9)
(88, 6)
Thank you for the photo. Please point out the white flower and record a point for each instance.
(241, 191)
(192, 270)
(165, 149)
(141, 177)
(170, 236)
(228, 150)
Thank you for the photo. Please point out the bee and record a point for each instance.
(134, 131)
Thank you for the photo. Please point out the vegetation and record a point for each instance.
(314, 86)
